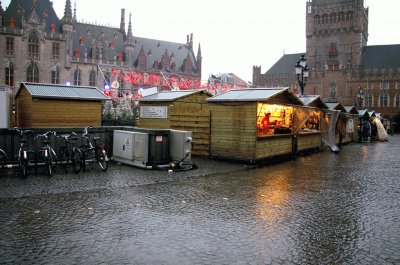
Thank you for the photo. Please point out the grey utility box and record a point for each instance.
(131, 148)
(180, 145)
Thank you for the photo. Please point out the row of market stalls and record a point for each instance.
(252, 124)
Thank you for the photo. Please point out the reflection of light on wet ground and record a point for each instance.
(272, 197)
(365, 153)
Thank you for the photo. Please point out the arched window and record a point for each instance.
(384, 99)
(9, 74)
(32, 74)
(92, 78)
(77, 77)
(369, 99)
(397, 101)
(33, 45)
(55, 75)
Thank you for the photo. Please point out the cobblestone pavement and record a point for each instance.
(323, 208)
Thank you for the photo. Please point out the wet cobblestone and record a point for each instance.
(324, 208)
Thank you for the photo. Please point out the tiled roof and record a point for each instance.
(63, 91)
(381, 57)
(285, 65)
(18, 9)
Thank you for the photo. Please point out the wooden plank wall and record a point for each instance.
(233, 130)
(309, 141)
(24, 108)
(189, 113)
(274, 146)
(52, 113)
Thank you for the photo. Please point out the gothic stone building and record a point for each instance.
(37, 46)
(342, 67)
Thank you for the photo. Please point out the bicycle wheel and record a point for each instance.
(23, 166)
(3, 159)
(53, 156)
(64, 158)
(103, 160)
(77, 161)
(49, 166)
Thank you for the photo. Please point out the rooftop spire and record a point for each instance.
(67, 12)
(130, 25)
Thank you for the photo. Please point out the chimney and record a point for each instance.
(122, 25)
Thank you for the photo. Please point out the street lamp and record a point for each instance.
(360, 96)
(302, 72)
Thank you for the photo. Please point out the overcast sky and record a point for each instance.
(234, 35)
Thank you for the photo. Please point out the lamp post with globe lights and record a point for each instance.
(302, 73)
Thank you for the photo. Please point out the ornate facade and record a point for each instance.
(342, 67)
(37, 46)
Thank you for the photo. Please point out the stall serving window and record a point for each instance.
(274, 119)
(308, 120)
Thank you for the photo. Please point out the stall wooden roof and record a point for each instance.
(351, 109)
(55, 91)
(172, 95)
(363, 113)
(267, 95)
(336, 106)
(314, 101)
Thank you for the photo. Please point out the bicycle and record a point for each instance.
(48, 154)
(69, 154)
(93, 152)
(23, 152)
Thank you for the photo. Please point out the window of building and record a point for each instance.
(33, 45)
(397, 100)
(385, 85)
(55, 75)
(55, 50)
(369, 99)
(33, 73)
(9, 74)
(398, 85)
(92, 78)
(383, 99)
(9, 46)
(77, 77)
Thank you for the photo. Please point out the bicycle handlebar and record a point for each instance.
(45, 135)
(23, 132)
(86, 132)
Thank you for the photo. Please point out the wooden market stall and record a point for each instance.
(252, 124)
(52, 105)
(185, 110)
(340, 128)
(309, 135)
(351, 124)
(364, 126)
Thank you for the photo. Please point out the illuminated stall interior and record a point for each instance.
(274, 119)
(309, 117)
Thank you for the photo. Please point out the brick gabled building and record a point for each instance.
(342, 66)
(37, 46)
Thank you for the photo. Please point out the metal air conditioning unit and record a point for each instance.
(131, 148)
(180, 146)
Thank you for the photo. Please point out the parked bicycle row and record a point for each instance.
(69, 156)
